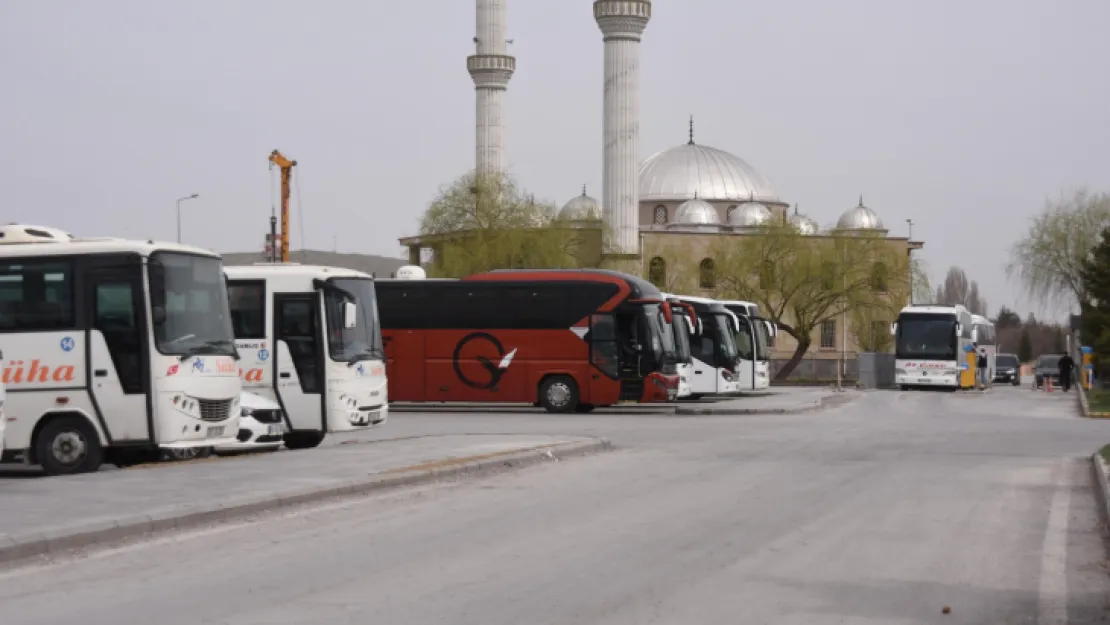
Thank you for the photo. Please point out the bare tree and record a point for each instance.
(958, 289)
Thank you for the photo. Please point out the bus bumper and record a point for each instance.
(659, 387)
(921, 378)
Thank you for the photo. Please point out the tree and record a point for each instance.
(485, 222)
(1007, 319)
(801, 281)
(1025, 349)
(1049, 259)
(922, 289)
(1095, 277)
(958, 289)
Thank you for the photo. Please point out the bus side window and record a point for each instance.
(744, 345)
(115, 318)
(297, 327)
(248, 309)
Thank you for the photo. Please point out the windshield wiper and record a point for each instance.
(371, 354)
(207, 347)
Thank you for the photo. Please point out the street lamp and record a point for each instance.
(909, 254)
(179, 201)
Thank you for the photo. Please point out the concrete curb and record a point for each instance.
(15, 547)
(821, 402)
(1102, 492)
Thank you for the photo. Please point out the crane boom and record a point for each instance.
(286, 167)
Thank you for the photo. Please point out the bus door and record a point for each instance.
(299, 366)
(605, 356)
(745, 349)
(119, 347)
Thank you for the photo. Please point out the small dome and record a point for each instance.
(859, 218)
(803, 224)
(581, 208)
(749, 215)
(697, 212)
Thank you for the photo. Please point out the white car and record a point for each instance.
(261, 426)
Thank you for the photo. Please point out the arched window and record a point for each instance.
(707, 274)
(657, 272)
(729, 211)
(660, 215)
(879, 277)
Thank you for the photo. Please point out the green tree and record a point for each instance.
(801, 281)
(959, 289)
(1049, 259)
(1095, 277)
(1025, 348)
(485, 222)
(1007, 319)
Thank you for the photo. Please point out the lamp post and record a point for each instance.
(179, 201)
(909, 254)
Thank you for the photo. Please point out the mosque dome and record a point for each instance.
(749, 215)
(696, 212)
(803, 224)
(860, 218)
(715, 175)
(581, 208)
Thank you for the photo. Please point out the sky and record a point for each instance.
(963, 115)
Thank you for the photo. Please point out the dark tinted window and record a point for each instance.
(415, 304)
(1005, 360)
(1048, 361)
(248, 309)
(36, 295)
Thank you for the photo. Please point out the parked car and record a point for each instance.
(261, 426)
(1007, 368)
(1048, 366)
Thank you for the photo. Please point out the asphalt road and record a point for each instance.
(886, 511)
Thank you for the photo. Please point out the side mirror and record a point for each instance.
(975, 335)
(350, 315)
(894, 328)
(158, 315)
(959, 329)
(772, 329)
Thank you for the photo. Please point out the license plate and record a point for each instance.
(274, 430)
(216, 431)
(924, 380)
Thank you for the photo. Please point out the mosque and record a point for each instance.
(681, 199)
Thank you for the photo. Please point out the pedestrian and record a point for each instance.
(981, 366)
(1066, 365)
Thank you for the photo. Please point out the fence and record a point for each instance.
(820, 369)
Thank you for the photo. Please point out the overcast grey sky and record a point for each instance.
(962, 114)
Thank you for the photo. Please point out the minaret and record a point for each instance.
(491, 67)
(621, 23)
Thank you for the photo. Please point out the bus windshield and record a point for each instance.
(681, 329)
(364, 341)
(662, 339)
(723, 323)
(926, 337)
(762, 341)
(191, 312)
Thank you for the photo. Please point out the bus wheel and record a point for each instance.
(559, 393)
(584, 408)
(303, 440)
(68, 445)
(188, 453)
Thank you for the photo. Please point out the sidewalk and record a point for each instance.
(43, 515)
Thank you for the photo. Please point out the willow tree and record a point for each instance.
(801, 281)
(485, 222)
(1048, 260)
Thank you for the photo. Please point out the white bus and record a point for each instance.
(115, 350)
(761, 332)
(684, 326)
(983, 335)
(931, 345)
(717, 369)
(311, 339)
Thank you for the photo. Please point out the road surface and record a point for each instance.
(885, 511)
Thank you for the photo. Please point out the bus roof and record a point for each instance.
(640, 288)
(261, 271)
(97, 245)
(981, 320)
(934, 310)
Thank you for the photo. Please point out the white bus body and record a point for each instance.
(326, 368)
(113, 349)
(761, 331)
(930, 344)
(983, 336)
(717, 369)
(684, 327)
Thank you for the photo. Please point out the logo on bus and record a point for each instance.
(17, 372)
(251, 375)
(68, 344)
(484, 346)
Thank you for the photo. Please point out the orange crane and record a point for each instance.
(286, 166)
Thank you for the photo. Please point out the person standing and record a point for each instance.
(981, 367)
(1066, 366)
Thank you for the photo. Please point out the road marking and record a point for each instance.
(1052, 600)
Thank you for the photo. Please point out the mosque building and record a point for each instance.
(683, 198)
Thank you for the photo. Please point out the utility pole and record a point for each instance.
(179, 201)
(909, 253)
(286, 166)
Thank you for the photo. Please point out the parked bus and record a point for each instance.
(761, 330)
(116, 350)
(684, 325)
(570, 340)
(311, 340)
(931, 345)
(983, 336)
(718, 367)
